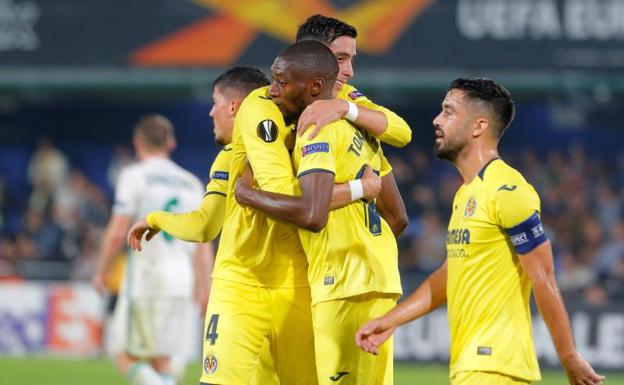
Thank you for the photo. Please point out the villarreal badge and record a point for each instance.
(471, 207)
(210, 364)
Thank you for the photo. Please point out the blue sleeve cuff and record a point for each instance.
(527, 235)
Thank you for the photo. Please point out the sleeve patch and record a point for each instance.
(355, 94)
(220, 175)
(267, 130)
(314, 147)
(527, 235)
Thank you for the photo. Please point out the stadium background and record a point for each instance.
(75, 75)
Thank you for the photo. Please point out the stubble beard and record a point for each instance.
(449, 153)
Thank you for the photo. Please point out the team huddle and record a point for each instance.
(305, 281)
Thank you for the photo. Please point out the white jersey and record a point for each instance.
(164, 267)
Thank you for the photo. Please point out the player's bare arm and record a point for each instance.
(112, 244)
(390, 205)
(308, 211)
(343, 193)
(538, 264)
(322, 112)
(430, 295)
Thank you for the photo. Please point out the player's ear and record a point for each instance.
(317, 86)
(481, 126)
(234, 106)
(171, 144)
(137, 143)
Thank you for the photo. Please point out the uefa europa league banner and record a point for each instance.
(393, 34)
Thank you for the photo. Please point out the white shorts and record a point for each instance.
(148, 328)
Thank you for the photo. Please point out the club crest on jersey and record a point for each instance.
(267, 130)
(314, 147)
(471, 207)
(355, 94)
(210, 364)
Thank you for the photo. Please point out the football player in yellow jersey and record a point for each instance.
(497, 252)
(351, 104)
(351, 251)
(204, 224)
(230, 366)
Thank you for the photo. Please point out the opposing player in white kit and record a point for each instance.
(155, 300)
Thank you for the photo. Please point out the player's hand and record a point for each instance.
(579, 371)
(201, 293)
(371, 183)
(243, 184)
(372, 335)
(321, 113)
(135, 234)
(99, 281)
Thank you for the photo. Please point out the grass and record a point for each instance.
(48, 371)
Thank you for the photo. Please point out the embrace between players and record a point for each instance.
(309, 211)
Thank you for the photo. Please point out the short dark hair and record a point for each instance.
(325, 29)
(242, 80)
(496, 97)
(313, 58)
(156, 131)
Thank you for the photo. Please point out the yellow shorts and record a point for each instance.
(339, 361)
(245, 323)
(485, 378)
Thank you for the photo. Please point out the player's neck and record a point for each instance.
(152, 155)
(471, 162)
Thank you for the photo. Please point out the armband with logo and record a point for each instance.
(527, 235)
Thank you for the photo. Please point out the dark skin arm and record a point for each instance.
(371, 184)
(390, 205)
(309, 211)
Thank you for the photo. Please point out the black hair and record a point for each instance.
(496, 97)
(243, 80)
(325, 29)
(312, 58)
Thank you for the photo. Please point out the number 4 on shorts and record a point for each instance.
(211, 330)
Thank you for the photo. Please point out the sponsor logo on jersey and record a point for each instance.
(221, 175)
(355, 94)
(507, 188)
(328, 280)
(210, 364)
(314, 147)
(338, 376)
(267, 131)
(458, 237)
(471, 207)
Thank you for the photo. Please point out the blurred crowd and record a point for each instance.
(54, 231)
(582, 208)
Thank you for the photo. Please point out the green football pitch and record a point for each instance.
(46, 371)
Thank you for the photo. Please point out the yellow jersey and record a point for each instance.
(487, 289)
(398, 132)
(356, 252)
(255, 249)
(220, 172)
